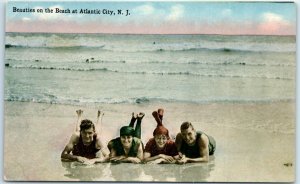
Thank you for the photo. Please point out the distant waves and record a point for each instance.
(52, 99)
(7, 46)
(149, 49)
(95, 60)
(81, 69)
(187, 73)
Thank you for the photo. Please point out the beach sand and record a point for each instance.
(255, 142)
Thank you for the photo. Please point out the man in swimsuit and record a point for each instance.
(160, 149)
(128, 147)
(85, 145)
(194, 146)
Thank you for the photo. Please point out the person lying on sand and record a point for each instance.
(160, 149)
(194, 146)
(85, 145)
(128, 147)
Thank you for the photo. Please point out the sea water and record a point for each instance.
(86, 69)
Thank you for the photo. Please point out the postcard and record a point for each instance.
(152, 91)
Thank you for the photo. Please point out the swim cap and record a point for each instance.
(161, 130)
(126, 130)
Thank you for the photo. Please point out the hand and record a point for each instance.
(180, 155)
(98, 160)
(82, 159)
(89, 162)
(134, 160)
(157, 161)
(115, 159)
(183, 160)
(167, 158)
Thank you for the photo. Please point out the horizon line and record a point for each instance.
(160, 34)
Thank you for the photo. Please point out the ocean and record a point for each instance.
(91, 69)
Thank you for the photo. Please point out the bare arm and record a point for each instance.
(114, 158)
(148, 158)
(138, 158)
(66, 153)
(101, 155)
(113, 155)
(163, 158)
(203, 149)
(178, 142)
(140, 154)
(124, 158)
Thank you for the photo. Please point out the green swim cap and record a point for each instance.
(126, 130)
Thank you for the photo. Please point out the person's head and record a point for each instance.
(87, 131)
(126, 136)
(161, 135)
(188, 133)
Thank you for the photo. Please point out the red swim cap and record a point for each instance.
(161, 130)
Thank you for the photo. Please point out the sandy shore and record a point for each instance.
(255, 142)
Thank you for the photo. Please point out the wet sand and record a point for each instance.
(255, 142)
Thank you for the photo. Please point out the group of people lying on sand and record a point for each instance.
(86, 147)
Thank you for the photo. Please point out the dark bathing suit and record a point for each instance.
(193, 151)
(118, 147)
(86, 151)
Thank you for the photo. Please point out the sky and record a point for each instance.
(228, 18)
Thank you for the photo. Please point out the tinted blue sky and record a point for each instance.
(157, 16)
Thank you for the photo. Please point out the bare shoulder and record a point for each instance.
(203, 140)
(98, 139)
(178, 140)
(75, 137)
(179, 136)
(99, 143)
(110, 144)
(72, 142)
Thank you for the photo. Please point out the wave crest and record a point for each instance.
(52, 99)
(144, 72)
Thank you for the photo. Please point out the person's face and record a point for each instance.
(189, 135)
(87, 135)
(126, 141)
(160, 140)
